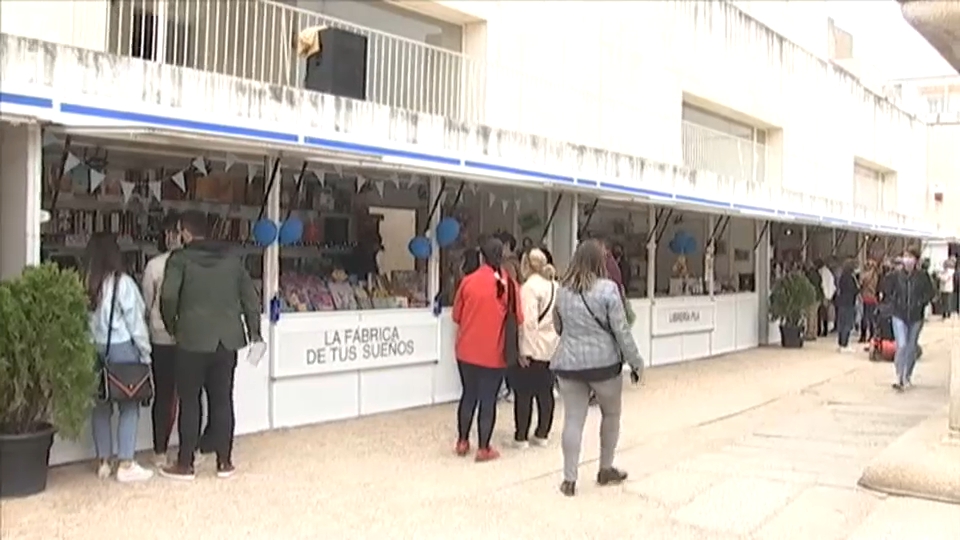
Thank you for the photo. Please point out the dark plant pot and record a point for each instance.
(24, 461)
(791, 336)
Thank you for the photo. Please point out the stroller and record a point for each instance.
(883, 346)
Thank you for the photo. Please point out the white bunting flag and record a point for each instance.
(231, 161)
(200, 165)
(473, 187)
(156, 190)
(96, 178)
(516, 205)
(49, 139)
(338, 169)
(491, 198)
(395, 178)
(127, 189)
(361, 181)
(411, 180)
(322, 178)
(179, 181)
(503, 205)
(379, 185)
(297, 176)
(71, 163)
(251, 173)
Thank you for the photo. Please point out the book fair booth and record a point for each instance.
(357, 263)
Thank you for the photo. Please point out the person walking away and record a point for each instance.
(480, 311)
(595, 341)
(869, 282)
(532, 380)
(848, 289)
(209, 304)
(119, 332)
(911, 291)
(828, 288)
(812, 325)
(946, 288)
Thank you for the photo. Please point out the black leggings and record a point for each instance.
(165, 401)
(532, 383)
(480, 387)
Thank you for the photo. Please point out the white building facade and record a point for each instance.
(689, 119)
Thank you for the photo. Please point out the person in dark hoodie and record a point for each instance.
(209, 305)
(848, 288)
(910, 291)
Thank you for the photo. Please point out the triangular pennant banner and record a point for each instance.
(379, 185)
(338, 169)
(96, 178)
(156, 190)
(71, 163)
(322, 178)
(127, 189)
(516, 205)
(200, 165)
(251, 173)
(49, 139)
(491, 198)
(503, 205)
(231, 161)
(412, 179)
(361, 181)
(395, 178)
(179, 181)
(473, 187)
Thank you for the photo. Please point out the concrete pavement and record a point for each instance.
(767, 444)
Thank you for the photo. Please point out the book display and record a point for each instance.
(335, 266)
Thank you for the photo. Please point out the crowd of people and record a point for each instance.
(196, 307)
(573, 332)
(892, 292)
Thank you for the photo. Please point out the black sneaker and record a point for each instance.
(611, 477)
(178, 472)
(225, 470)
(897, 386)
(568, 488)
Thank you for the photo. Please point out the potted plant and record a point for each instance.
(792, 294)
(47, 372)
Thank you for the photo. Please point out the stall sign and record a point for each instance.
(670, 319)
(355, 347)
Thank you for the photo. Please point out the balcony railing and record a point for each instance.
(254, 40)
(724, 154)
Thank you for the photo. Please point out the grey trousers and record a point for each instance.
(576, 403)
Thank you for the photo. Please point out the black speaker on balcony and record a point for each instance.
(340, 68)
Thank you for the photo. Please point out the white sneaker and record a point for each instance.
(521, 445)
(133, 472)
(537, 441)
(104, 470)
(160, 460)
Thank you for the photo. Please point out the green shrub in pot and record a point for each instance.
(790, 298)
(47, 371)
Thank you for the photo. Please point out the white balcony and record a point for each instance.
(733, 157)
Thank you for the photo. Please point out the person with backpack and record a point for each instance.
(531, 379)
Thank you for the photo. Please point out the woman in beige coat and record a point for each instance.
(532, 380)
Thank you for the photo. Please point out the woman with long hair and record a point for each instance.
(531, 379)
(119, 331)
(595, 341)
(480, 311)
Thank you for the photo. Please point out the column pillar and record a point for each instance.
(651, 252)
(708, 273)
(563, 233)
(762, 270)
(21, 181)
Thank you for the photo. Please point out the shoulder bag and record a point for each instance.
(605, 326)
(123, 382)
(511, 328)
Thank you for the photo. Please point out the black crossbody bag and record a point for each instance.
(122, 382)
(604, 326)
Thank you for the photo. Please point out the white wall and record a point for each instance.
(613, 75)
(20, 173)
(943, 154)
(81, 23)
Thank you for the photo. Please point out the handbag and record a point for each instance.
(605, 326)
(553, 291)
(511, 328)
(123, 382)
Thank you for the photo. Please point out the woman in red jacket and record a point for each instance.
(480, 310)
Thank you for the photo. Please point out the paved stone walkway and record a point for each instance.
(761, 445)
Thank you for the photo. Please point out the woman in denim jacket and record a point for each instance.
(129, 343)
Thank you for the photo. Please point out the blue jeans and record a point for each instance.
(907, 336)
(128, 412)
(846, 318)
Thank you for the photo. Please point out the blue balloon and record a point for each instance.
(291, 231)
(448, 230)
(264, 232)
(420, 247)
(674, 246)
(689, 245)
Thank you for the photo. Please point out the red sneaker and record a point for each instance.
(463, 448)
(487, 454)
